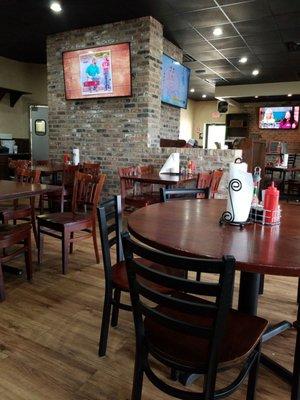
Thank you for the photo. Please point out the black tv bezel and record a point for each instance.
(98, 97)
(277, 129)
(187, 90)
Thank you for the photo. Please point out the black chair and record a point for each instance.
(187, 333)
(116, 282)
(167, 194)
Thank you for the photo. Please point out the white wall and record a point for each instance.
(187, 121)
(25, 77)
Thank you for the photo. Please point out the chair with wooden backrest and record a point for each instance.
(12, 236)
(13, 165)
(62, 200)
(183, 193)
(86, 195)
(23, 211)
(186, 332)
(128, 193)
(116, 283)
(215, 182)
(203, 182)
(90, 168)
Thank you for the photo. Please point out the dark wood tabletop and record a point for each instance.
(16, 190)
(191, 227)
(163, 179)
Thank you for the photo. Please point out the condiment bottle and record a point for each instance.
(189, 167)
(271, 203)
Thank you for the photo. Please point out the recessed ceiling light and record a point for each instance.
(243, 60)
(192, 90)
(290, 95)
(256, 97)
(218, 31)
(255, 72)
(204, 96)
(55, 6)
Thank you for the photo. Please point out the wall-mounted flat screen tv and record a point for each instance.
(175, 82)
(103, 71)
(279, 117)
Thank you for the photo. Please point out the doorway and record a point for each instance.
(215, 135)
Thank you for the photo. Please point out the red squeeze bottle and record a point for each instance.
(271, 203)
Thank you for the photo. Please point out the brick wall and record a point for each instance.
(121, 131)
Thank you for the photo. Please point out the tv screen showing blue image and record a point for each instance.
(175, 82)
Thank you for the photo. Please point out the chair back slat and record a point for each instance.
(126, 183)
(171, 302)
(203, 182)
(90, 168)
(174, 324)
(110, 226)
(26, 175)
(185, 304)
(22, 164)
(174, 282)
(215, 182)
(87, 191)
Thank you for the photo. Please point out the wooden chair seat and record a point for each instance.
(7, 231)
(120, 279)
(242, 334)
(60, 220)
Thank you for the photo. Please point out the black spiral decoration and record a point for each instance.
(227, 216)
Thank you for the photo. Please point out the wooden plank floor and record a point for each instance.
(49, 333)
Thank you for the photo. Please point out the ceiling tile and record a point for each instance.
(247, 11)
(267, 37)
(282, 7)
(268, 48)
(205, 18)
(207, 55)
(228, 31)
(191, 5)
(229, 43)
(258, 26)
(288, 21)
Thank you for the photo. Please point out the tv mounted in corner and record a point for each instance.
(97, 72)
(286, 117)
(175, 82)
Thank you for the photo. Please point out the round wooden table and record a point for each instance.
(191, 228)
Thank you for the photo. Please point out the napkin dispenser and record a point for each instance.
(171, 166)
(240, 194)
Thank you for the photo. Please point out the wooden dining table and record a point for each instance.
(163, 179)
(191, 228)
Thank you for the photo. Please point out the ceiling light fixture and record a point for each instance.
(204, 96)
(255, 72)
(218, 31)
(256, 97)
(243, 60)
(55, 6)
(290, 95)
(192, 90)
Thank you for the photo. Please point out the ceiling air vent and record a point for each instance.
(292, 46)
(200, 71)
(187, 58)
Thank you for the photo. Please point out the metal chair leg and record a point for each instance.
(115, 312)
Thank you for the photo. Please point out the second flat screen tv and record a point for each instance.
(97, 72)
(175, 82)
(279, 117)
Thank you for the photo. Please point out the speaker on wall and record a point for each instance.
(222, 107)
